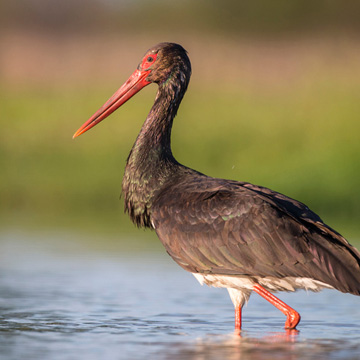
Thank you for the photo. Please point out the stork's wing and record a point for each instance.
(235, 228)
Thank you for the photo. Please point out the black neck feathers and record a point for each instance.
(150, 162)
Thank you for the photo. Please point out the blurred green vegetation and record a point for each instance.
(303, 142)
(228, 18)
(274, 100)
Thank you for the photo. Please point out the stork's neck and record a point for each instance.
(150, 162)
(155, 134)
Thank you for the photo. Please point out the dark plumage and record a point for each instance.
(228, 233)
(216, 226)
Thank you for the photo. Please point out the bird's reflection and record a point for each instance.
(287, 335)
(241, 345)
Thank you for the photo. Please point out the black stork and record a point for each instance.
(227, 233)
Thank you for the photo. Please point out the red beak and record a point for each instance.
(133, 85)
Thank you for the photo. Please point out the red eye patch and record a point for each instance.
(148, 60)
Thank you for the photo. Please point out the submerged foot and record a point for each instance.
(293, 318)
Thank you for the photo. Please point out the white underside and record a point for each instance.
(240, 287)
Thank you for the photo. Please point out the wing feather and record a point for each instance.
(225, 227)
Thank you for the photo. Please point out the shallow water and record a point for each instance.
(68, 302)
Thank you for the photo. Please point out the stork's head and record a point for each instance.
(164, 64)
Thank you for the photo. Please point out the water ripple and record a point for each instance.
(63, 306)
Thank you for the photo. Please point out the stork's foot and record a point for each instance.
(292, 316)
(292, 319)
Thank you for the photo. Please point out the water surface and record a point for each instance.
(62, 300)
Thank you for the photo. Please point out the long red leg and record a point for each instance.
(238, 317)
(293, 317)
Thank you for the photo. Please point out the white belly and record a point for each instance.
(240, 287)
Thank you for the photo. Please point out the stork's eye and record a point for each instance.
(148, 61)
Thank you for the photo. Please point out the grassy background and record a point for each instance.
(301, 140)
(267, 105)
